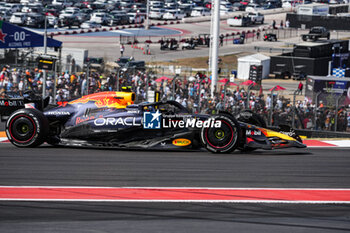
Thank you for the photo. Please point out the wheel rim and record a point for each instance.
(221, 137)
(219, 134)
(22, 128)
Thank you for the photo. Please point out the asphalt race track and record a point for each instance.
(292, 168)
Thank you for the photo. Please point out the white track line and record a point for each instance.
(169, 188)
(182, 201)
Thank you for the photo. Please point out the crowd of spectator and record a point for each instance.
(192, 92)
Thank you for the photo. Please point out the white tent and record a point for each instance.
(244, 64)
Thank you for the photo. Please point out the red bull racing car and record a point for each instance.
(113, 120)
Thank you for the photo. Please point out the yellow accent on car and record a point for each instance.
(181, 142)
(270, 133)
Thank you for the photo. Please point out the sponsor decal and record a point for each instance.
(11, 103)
(127, 121)
(133, 111)
(154, 120)
(79, 120)
(290, 133)
(151, 120)
(246, 115)
(181, 142)
(191, 123)
(58, 113)
(29, 106)
(249, 132)
(62, 104)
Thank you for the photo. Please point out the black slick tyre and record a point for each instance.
(27, 128)
(223, 139)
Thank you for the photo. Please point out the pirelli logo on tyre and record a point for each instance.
(181, 142)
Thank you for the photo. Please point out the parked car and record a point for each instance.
(18, 18)
(225, 12)
(276, 3)
(5, 15)
(130, 62)
(90, 24)
(198, 3)
(239, 21)
(32, 9)
(12, 7)
(225, 6)
(101, 18)
(237, 6)
(200, 11)
(119, 19)
(138, 5)
(95, 63)
(272, 5)
(52, 20)
(156, 4)
(173, 15)
(156, 13)
(172, 5)
(53, 12)
(186, 9)
(290, 3)
(122, 61)
(256, 17)
(68, 14)
(69, 22)
(270, 37)
(35, 20)
(315, 33)
(136, 17)
(253, 7)
(63, 3)
(137, 65)
(186, 3)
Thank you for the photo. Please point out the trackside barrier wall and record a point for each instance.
(322, 134)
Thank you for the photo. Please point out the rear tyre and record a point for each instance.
(27, 128)
(224, 139)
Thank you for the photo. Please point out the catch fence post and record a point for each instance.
(248, 94)
(294, 109)
(87, 78)
(336, 113)
(54, 84)
(315, 110)
(271, 108)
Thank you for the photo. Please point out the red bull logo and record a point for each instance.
(108, 99)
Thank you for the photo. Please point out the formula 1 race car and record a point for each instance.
(112, 120)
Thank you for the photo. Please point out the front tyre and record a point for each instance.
(27, 128)
(223, 139)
